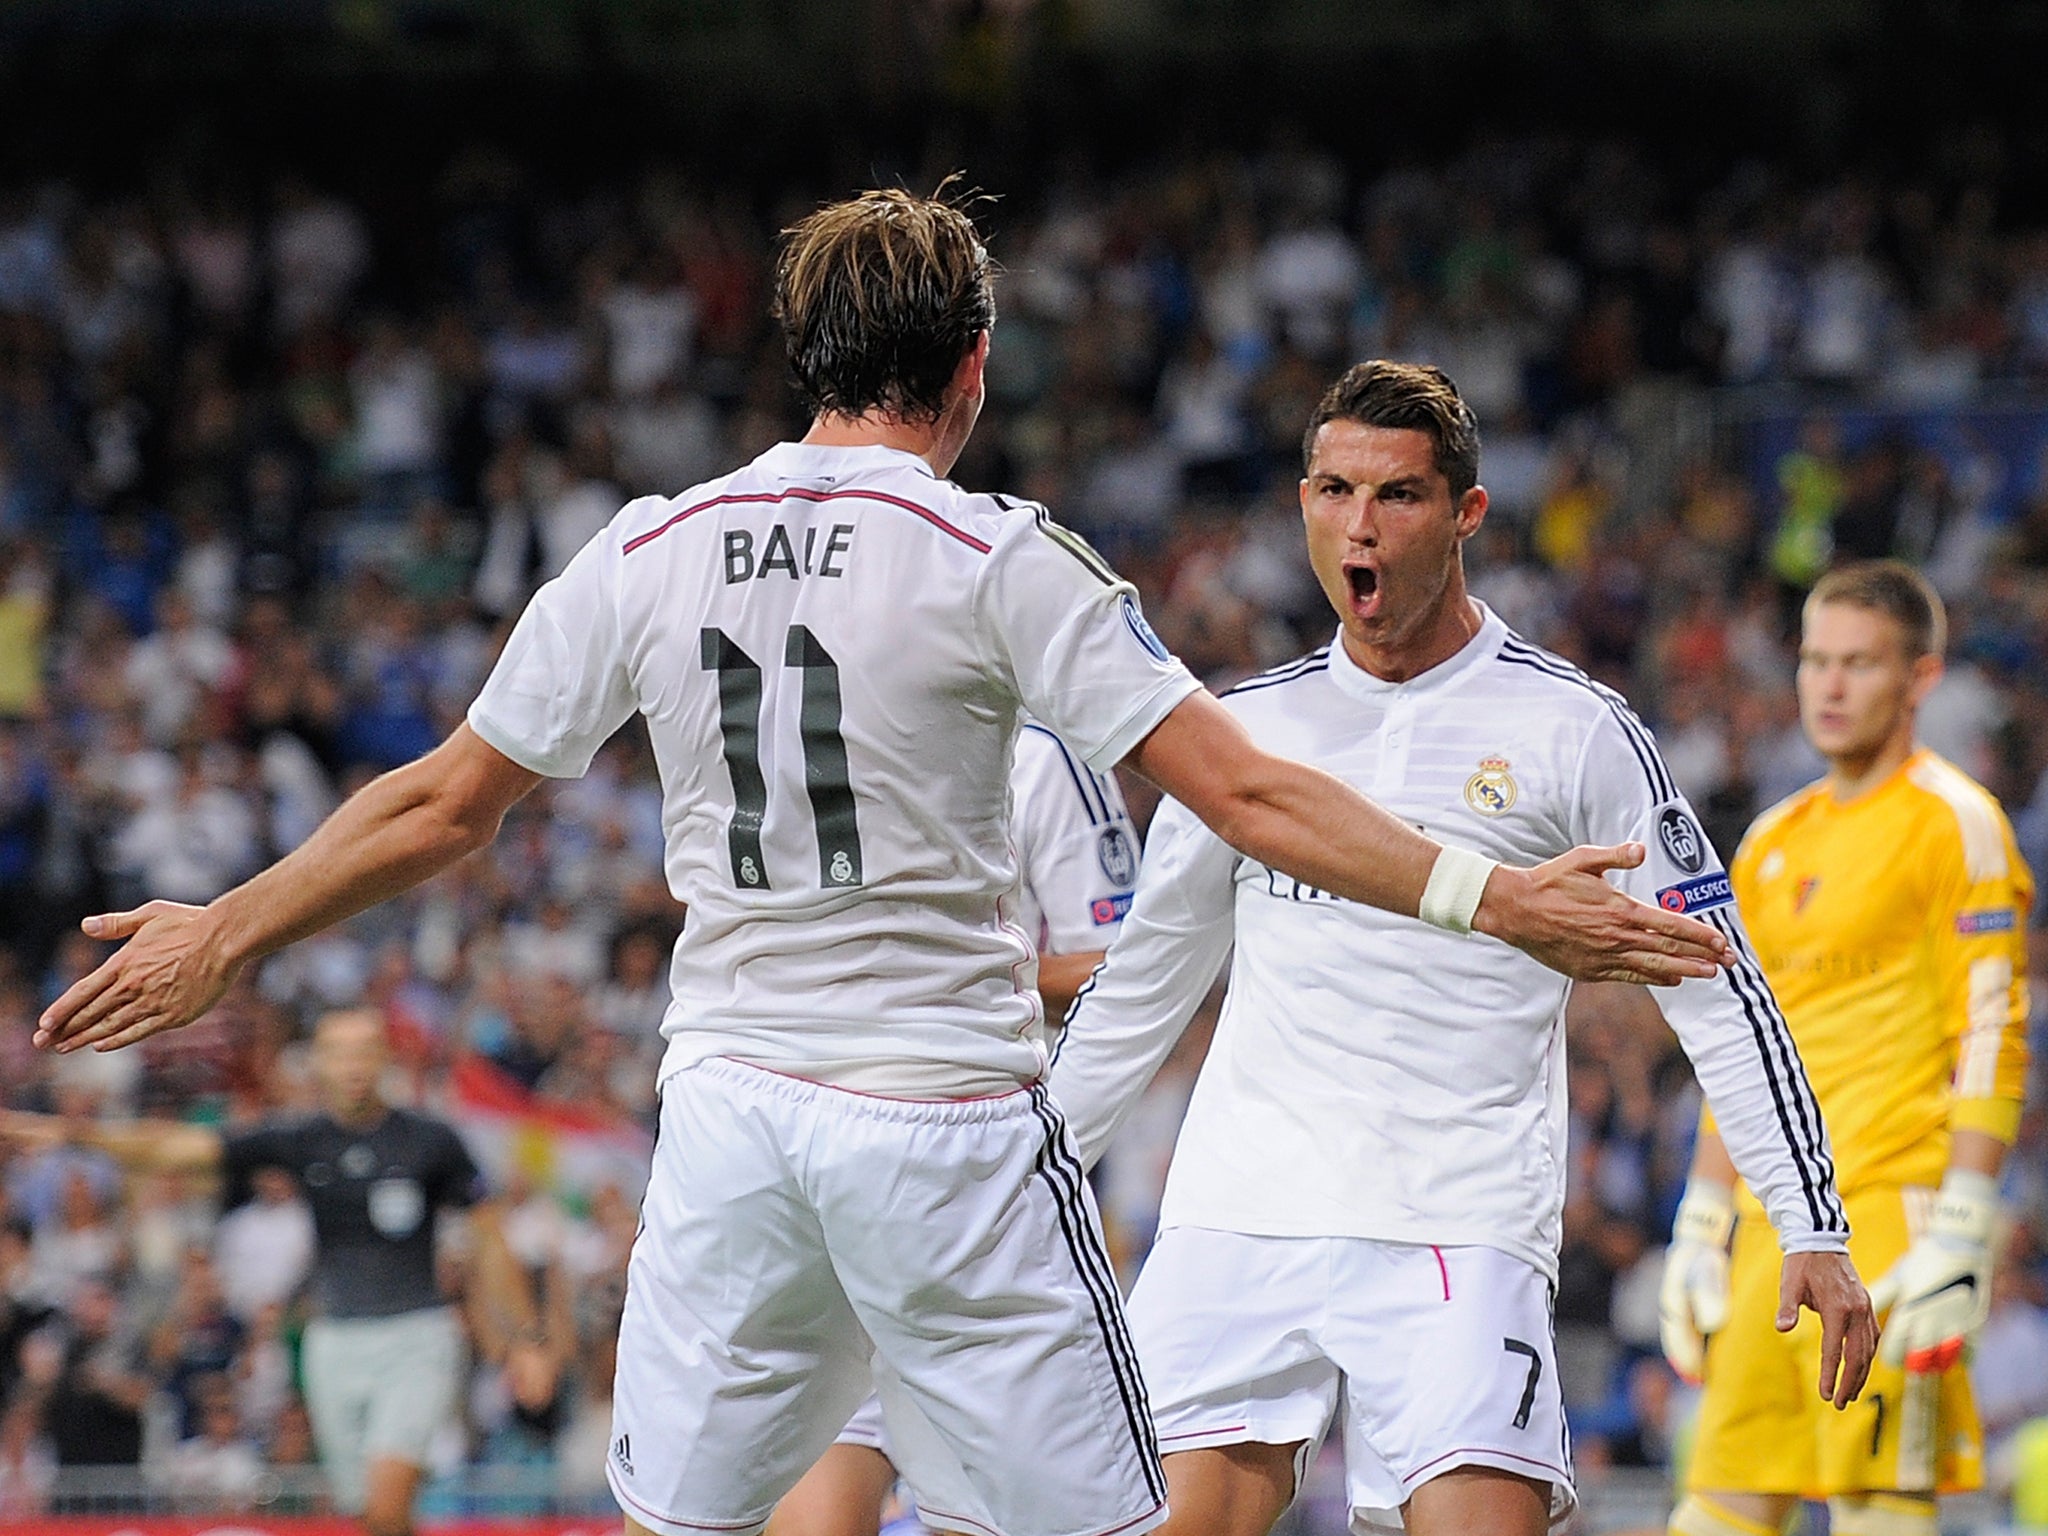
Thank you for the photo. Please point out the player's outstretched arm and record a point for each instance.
(1316, 828)
(396, 831)
(146, 1146)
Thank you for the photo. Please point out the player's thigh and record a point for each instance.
(1225, 1324)
(1760, 1413)
(843, 1494)
(340, 1388)
(416, 1361)
(1906, 1433)
(1231, 1490)
(1479, 1501)
(968, 1243)
(739, 1358)
(1448, 1363)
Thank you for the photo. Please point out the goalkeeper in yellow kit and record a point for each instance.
(1888, 904)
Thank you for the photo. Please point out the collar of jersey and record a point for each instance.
(1361, 684)
(806, 461)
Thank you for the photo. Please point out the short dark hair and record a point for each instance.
(1414, 396)
(879, 298)
(1893, 588)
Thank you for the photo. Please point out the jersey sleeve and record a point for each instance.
(1124, 1024)
(1066, 632)
(1075, 841)
(242, 1153)
(560, 689)
(456, 1180)
(1729, 1024)
(1981, 899)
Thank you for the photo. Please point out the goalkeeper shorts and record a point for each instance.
(1763, 1427)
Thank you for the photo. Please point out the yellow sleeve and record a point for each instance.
(1982, 898)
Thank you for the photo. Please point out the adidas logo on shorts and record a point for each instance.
(622, 1453)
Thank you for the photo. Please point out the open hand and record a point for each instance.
(169, 972)
(1564, 913)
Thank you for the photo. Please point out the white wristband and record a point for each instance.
(1456, 882)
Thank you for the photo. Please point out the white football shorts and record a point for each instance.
(792, 1233)
(866, 1428)
(380, 1388)
(1443, 1358)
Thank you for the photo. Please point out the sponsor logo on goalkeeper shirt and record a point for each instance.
(1987, 920)
(1699, 895)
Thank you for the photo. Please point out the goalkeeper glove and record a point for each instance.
(1940, 1293)
(1694, 1300)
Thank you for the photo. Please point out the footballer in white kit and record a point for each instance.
(1366, 1197)
(1077, 864)
(858, 1158)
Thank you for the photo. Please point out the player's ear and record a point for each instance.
(1471, 511)
(1927, 672)
(967, 376)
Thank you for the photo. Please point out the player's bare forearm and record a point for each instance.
(1299, 820)
(1710, 1160)
(145, 1146)
(1310, 825)
(398, 830)
(499, 1290)
(395, 832)
(1976, 1152)
(1060, 977)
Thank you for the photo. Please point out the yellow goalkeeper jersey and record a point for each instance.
(1893, 930)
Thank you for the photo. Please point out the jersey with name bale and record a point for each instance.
(833, 648)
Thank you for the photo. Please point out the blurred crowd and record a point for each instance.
(276, 472)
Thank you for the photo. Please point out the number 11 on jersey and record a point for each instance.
(828, 788)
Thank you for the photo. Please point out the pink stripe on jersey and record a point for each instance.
(800, 494)
(1442, 1269)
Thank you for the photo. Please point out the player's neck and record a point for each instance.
(359, 1117)
(1851, 778)
(1447, 631)
(878, 431)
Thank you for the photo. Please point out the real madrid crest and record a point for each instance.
(1491, 791)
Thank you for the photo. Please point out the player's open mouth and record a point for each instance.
(1365, 589)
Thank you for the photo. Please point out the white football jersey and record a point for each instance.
(1076, 846)
(832, 647)
(1374, 1077)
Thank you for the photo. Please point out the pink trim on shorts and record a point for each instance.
(693, 1525)
(1442, 1269)
(889, 1098)
(938, 1517)
(1488, 1450)
(947, 1520)
(1196, 1434)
